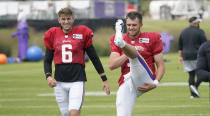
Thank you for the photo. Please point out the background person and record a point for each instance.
(190, 40)
(203, 64)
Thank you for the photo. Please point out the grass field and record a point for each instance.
(24, 92)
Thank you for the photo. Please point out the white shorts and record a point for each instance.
(189, 65)
(126, 97)
(127, 92)
(69, 96)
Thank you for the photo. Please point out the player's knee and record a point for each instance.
(74, 113)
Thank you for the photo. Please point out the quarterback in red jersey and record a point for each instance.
(66, 45)
(138, 54)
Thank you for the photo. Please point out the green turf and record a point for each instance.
(22, 83)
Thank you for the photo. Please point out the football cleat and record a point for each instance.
(192, 97)
(194, 90)
(118, 40)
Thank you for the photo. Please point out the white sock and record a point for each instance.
(119, 34)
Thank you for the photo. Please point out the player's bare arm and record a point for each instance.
(160, 66)
(180, 57)
(115, 60)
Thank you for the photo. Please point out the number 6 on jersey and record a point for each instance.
(66, 55)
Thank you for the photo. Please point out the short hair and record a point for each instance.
(65, 11)
(133, 15)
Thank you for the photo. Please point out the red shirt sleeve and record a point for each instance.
(157, 45)
(49, 39)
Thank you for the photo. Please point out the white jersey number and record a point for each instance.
(66, 55)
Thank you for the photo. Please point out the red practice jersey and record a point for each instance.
(150, 42)
(68, 48)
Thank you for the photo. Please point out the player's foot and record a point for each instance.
(118, 40)
(194, 90)
(192, 97)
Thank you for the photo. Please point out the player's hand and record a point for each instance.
(51, 82)
(147, 87)
(180, 60)
(105, 85)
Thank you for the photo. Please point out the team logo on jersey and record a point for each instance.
(77, 36)
(143, 40)
(66, 41)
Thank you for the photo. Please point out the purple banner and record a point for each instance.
(109, 9)
(166, 41)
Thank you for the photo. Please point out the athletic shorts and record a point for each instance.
(189, 65)
(69, 95)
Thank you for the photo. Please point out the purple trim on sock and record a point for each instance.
(144, 64)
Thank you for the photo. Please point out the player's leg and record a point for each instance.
(129, 50)
(76, 96)
(126, 97)
(62, 96)
(140, 72)
(190, 66)
(193, 90)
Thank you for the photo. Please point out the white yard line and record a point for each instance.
(99, 93)
(22, 99)
(93, 93)
(20, 71)
(155, 115)
(104, 106)
(112, 114)
(177, 84)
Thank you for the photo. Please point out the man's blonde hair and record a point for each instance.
(65, 11)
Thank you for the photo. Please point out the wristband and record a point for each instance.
(48, 74)
(103, 78)
(156, 82)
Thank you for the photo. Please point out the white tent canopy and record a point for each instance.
(178, 8)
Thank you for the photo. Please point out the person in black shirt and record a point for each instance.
(190, 40)
(203, 64)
